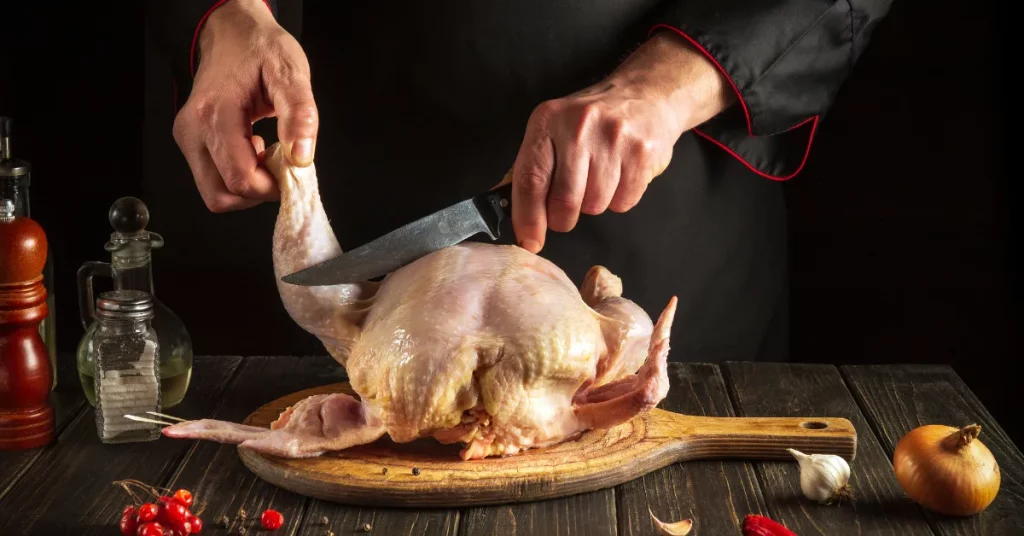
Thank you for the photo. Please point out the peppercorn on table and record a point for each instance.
(67, 487)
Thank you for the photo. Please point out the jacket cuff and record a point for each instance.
(777, 156)
(175, 26)
(199, 27)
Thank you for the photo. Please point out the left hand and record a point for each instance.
(599, 148)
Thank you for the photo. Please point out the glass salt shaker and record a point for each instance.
(126, 379)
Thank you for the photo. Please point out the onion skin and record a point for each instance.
(947, 469)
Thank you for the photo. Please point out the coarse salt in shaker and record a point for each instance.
(127, 376)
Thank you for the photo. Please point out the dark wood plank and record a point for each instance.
(346, 520)
(68, 402)
(899, 398)
(715, 494)
(784, 390)
(217, 477)
(69, 490)
(584, 514)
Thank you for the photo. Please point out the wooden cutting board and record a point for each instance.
(384, 473)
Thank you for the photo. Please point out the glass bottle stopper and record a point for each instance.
(129, 217)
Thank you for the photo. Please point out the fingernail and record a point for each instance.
(302, 150)
(532, 246)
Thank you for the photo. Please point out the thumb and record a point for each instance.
(297, 119)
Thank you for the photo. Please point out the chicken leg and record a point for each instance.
(303, 237)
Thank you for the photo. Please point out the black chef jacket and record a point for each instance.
(423, 104)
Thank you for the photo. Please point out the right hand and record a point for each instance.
(249, 68)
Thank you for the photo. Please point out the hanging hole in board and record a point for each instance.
(814, 425)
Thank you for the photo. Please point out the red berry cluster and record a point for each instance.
(170, 516)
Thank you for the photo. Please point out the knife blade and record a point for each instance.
(449, 226)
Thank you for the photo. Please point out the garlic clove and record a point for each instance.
(679, 528)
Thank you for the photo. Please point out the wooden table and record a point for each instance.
(66, 487)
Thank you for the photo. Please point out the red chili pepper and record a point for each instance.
(755, 525)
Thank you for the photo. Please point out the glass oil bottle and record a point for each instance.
(131, 268)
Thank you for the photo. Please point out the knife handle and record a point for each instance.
(495, 206)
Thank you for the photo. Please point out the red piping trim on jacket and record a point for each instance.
(195, 36)
(746, 111)
(799, 168)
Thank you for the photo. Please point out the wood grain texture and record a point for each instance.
(715, 494)
(344, 519)
(585, 514)
(68, 401)
(598, 459)
(217, 477)
(787, 389)
(74, 495)
(898, 399)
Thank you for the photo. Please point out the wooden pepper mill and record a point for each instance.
(26, 415)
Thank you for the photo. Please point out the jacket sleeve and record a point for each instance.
(174, 27)
(785, 59)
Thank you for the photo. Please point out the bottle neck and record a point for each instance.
(132, 268)
(16, 189)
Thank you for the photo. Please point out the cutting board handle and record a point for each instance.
(754, 438)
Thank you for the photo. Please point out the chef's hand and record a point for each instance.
(599, 148)
(249, 68)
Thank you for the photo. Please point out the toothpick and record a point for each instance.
(171, 417)
(144, 419)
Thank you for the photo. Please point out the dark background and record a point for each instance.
(903, 242)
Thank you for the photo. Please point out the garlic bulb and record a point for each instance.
(823, 477)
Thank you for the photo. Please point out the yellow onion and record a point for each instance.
(947, 470)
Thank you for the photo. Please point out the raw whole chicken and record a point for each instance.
(486, 345)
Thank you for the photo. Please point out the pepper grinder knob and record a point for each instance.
(128, 215)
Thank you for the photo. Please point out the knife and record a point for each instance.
(481, 214)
